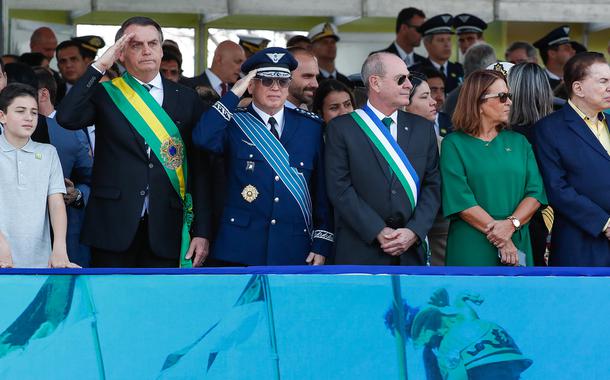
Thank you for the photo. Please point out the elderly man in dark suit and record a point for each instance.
(382, 173)
(573, 150)
(142, 192)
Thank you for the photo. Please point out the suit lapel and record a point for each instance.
(576, 124)
(383, 163)
(403, 134)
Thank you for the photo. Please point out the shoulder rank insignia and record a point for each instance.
(241, 109)
(308, 114)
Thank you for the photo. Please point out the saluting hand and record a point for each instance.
(240, 87)
(113, 53)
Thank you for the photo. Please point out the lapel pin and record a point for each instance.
(38, 156)
(508, 149)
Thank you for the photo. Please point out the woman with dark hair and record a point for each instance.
(491, 184)
(332, 99)
(532, 100)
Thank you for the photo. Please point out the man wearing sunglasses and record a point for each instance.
(382, 172)
(408, 36)
(276, 211)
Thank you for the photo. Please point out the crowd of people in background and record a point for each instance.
(271, 156)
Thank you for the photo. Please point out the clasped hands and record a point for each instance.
(395, 242)
(499, 233)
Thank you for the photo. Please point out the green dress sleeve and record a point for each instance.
(457, 195)
(534, 186)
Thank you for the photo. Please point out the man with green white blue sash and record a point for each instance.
(149, 204)
(382, 173)
(276, 211)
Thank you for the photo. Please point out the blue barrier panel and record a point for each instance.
(313, 323)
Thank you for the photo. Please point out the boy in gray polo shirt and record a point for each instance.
(31, 186)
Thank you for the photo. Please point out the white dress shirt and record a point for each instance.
(381, 116)
(279, 117)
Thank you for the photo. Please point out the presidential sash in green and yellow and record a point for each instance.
(162, 136)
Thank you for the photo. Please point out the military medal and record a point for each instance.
(249, 193)
(172, 153)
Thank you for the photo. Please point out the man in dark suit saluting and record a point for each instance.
(382, 172)
(147, 183)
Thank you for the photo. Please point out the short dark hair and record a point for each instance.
(69, 43)
(32, 59)
(577, 68)
(326, 87)
(431, 72)
(15, 90)
(406, 14)
(46, 80)
(169, 55)
(530, 50)
(294, 40)
(141, 21)
(21, 73)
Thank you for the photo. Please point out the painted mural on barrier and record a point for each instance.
(302, 327)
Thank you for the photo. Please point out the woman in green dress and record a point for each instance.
(491, 182)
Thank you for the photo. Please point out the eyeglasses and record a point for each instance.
(269, 82)
(502, 96)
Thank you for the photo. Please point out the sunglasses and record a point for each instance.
(401, 80)
(269, 82)
(502, 96)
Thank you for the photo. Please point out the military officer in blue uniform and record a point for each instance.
(437, 32)
(276, 210)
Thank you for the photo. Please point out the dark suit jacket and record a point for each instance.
(392, 49)
(445, 126)
(76, 163)
(199, 80)
(122, 171)
(455, 73)
(576, 172)
(364, 192)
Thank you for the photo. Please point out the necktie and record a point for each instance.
(387, 121)
(442, 69)
(224, 88)
(273, 124)
(147, 86)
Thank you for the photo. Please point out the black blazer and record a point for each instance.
(365, 193)
(392, 49)
(122, 170)
(199, 80)
(455, 73)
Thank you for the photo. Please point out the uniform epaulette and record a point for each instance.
(309, 114)
(241, 109)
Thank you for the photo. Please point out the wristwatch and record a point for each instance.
(79, 202)
(516, 222)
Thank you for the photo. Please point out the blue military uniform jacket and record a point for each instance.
(269, 229)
